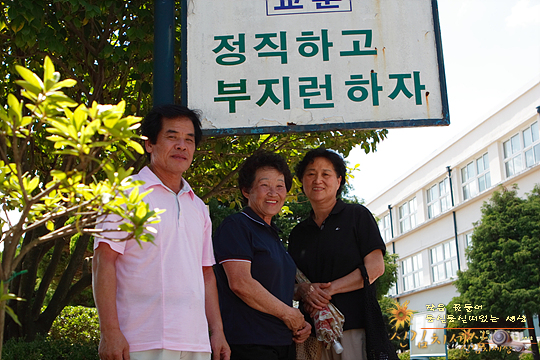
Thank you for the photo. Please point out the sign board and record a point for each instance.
(269, 66)
(429, 338)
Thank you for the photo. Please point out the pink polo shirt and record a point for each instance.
(160, 287)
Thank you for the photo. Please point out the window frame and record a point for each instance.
(517, 160)
(436, 264)
(441, 202)
(415, 276)
(408, 221)
(385, 227)
(471, 178)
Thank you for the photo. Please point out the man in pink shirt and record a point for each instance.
(159, 301)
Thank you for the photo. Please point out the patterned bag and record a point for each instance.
(309, 350)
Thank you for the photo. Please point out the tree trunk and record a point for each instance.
(35, 320)
(532, 333)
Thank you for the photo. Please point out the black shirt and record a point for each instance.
(336, 249)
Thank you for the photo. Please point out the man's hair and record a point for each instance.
(153, 121)
(261, 159)
(337, 161)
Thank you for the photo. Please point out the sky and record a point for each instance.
(491, 52)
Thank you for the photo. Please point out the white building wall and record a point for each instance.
(486, 137)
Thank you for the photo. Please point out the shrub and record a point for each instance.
(493, 354)
(78, 324)
(74, 335)
(48, 349)
(404, 356)
(526, 356)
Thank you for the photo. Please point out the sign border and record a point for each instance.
(363, 125)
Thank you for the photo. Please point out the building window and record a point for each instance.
(475, 177)
(411, 271)
(438, 198)
(482, 169)
(393, 290)
(468, 239)
(407, 216)
(531, 145)
(384, 228)
(468, 244)
(443, 261)
(523, 151)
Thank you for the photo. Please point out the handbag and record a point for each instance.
(378, 345)
(310, 349)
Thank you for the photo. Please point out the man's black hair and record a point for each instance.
(153, 121)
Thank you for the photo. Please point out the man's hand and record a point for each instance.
(113, 346)
(220, 348)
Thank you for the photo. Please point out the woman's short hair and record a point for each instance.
(339, 164)
(261, 159)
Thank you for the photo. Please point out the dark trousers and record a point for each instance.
(263, 352)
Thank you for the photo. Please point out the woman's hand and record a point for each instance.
(301, 335)
(315, 294)
(293, 319)
(310, 310)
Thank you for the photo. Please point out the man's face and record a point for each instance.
(172, 153)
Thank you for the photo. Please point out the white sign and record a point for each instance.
(429, 339)
(256, 66)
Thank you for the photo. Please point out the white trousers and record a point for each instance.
(162, 354)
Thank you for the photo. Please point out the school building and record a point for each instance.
(427, 216)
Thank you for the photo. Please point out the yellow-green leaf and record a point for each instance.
(64, 83)
(48, 69)
(29, 76)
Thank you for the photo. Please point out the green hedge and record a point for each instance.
(77, 323)
(74, 335)
(48, 349)
(463, 354)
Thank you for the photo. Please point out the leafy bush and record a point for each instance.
(48, 349)
(526, 356)
(493, 354)
(74, 335)
(404, 356)
(78, 324)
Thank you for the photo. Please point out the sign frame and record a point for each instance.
(444, 120)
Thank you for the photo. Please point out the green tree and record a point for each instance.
(76, 181)
(106, 46)
(504, 265)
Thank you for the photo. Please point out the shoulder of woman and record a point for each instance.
(231, 221)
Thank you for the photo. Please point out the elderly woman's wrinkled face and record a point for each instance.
(267, 194)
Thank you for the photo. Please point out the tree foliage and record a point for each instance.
(76, 181)
(504, 265)
(106, 47)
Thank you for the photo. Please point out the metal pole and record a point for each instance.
(163, 52)
(393, 242)
(454, 216)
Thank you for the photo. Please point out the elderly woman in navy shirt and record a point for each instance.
(255, 274)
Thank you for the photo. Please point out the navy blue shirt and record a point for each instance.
(246, 237)
(334, 250)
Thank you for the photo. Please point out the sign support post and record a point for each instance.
(163, 89)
